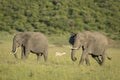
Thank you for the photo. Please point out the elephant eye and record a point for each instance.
(17, 41)
(81, 39)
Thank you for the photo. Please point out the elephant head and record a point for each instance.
(16, 44)
(18, 40)
(77, 40)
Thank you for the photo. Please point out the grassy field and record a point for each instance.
(57, 68)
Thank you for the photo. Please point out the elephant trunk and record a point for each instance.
(75, 47)
(14, 50)
(73, 55)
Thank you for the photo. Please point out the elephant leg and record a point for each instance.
(103, 57)
(45, 54)
(87, 60)
(97, 59)
(22, 52)
(27, 51)
(38, 57)
(82, 57)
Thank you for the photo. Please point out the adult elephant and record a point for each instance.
(92, 43)
(34, 42)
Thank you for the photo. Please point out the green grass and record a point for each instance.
(57, 68)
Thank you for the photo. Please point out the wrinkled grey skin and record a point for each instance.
(34, 42)
(92, 43)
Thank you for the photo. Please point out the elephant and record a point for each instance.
(34, 42)
(92, 43)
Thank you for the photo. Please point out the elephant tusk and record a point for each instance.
(74, 48)
(13, 52)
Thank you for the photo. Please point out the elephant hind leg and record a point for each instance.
(103, 57)
(97, 59)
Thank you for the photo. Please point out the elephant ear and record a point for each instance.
(72, 38)
(85, 37)
(89, 39)
(19, 39)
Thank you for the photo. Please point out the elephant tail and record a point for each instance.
(109, 58)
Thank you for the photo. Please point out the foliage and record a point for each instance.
(60, 16)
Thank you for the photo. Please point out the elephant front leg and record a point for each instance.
(26, 54)
(22, 52)
(87, 60)
(83, 57)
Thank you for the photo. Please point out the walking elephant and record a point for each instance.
(34, 42)
(92, 43)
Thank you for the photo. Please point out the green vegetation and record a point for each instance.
(61, 16)
(57, 68)
(58, 19)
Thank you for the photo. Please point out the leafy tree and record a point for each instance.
(61, 16)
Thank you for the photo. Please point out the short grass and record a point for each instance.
(57, 68)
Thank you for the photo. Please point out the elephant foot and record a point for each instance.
(101, 63)
(80, 63)
(88, 64)
(38, 62)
